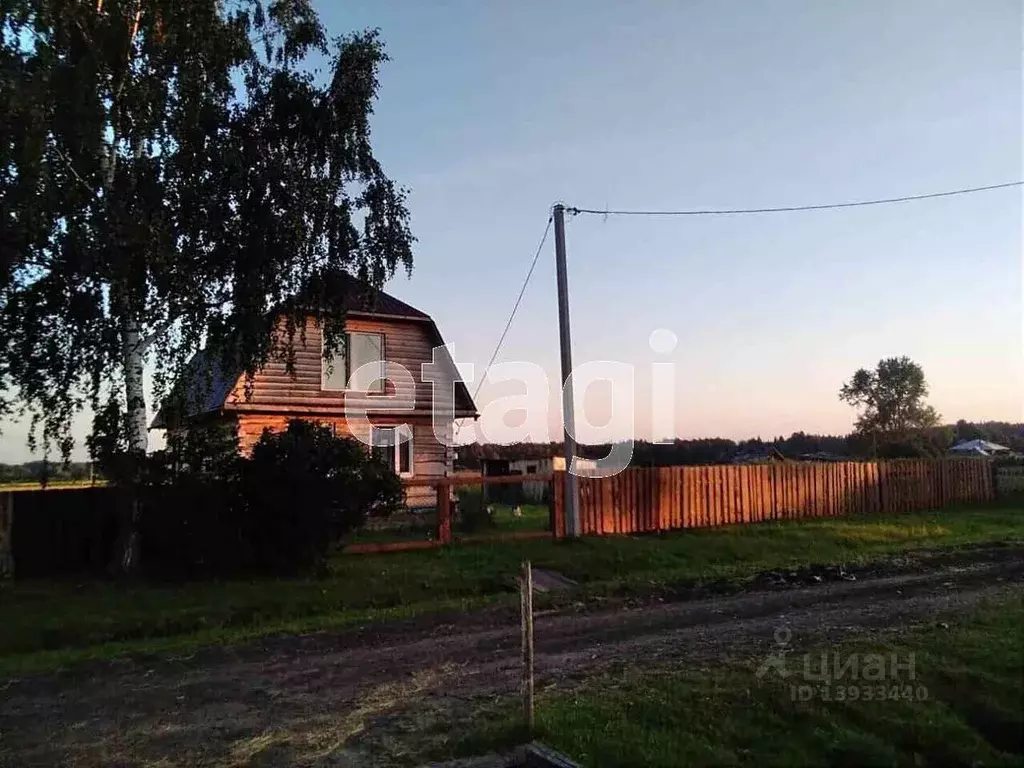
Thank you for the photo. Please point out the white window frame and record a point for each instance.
(400, 429)
(324, 362)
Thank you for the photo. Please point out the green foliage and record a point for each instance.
(474, 515)
(891, 399)
(169, 173)
(1000, 432)
(307, 488)
(931, 442)
(193, 520)
(206, 510)
(48, 472)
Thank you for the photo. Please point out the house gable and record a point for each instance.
(407, 343)
(410, 337)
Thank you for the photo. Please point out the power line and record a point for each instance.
(515, 307)
(790, 208)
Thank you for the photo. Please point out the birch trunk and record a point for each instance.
(134, 355)
(138, 441)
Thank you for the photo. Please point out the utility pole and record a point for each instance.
(572, 497)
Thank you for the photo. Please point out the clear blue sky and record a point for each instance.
(490, 111)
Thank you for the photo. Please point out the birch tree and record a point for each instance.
(170, 170)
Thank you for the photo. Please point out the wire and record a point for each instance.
(515, 307)
(789, 208)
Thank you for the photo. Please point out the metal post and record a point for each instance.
(572, 506)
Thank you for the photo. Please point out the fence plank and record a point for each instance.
(708, 484)
(757, 489)
(773, 489)
(684, 497)
(715, 500)
(727, 490)
(720, 495)
(786, 489)
(696, 510)
(686, 478)
(703, 490)
(677, 497)
(744, 494)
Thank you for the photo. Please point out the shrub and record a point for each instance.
(305, 488)
(192, 521)
(474, 515)
(209, 511)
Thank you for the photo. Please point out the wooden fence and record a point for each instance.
(1010, 480)
(60, 530)
(443, 493)
(669, 498)
(48, 532)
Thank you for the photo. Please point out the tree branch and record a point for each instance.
(67, 162)
(162, 327)
(146, 341)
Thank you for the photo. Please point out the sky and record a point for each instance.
(490, 111)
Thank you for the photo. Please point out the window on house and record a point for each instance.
(359, 365)
(531, 469)
(393, 446)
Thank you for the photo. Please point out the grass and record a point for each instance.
(52, 485)
(48, 624)
(972, 676)
(532, 517)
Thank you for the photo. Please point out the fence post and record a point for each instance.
(444, 512)
(526, 616)
(6, 535)
(558, 504)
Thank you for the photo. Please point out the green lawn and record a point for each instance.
(45, 624)
(971, 676)
(532, 517)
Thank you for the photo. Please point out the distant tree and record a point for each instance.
(169, 172)
(968, 431)
(891, 399)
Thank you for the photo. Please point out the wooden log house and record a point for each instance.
(360, 379)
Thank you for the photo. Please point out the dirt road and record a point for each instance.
(383, 695)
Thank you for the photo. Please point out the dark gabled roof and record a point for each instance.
(758, 454)
(343, 291)
(203, 388)
(208, 383)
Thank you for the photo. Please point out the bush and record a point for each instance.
(325, 485)
(192, 522)
(474, 515)
(207, 511)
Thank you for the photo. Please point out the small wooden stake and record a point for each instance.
(526, 609)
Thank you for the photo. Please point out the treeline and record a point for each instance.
(47, 472)
(928, 443)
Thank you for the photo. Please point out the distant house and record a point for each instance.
(381, 331)
(519, 460)
(528, 460)
(979, 448)
(822, 456)
(763, 455)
